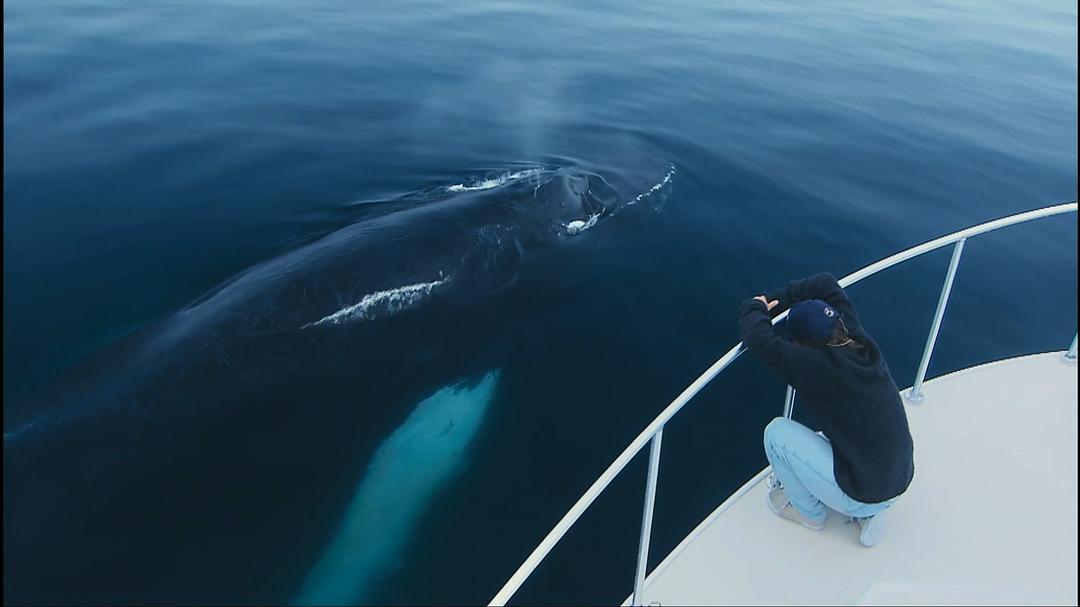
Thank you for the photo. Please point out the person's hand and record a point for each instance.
(769, 304)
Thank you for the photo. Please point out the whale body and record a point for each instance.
(336, 339)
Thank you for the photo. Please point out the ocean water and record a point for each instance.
(326, 301)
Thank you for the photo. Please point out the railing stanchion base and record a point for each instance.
(915, 398)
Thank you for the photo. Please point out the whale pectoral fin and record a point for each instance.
(405, 474)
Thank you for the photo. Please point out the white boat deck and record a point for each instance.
(990, 516)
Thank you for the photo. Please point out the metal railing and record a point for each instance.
(653, 433)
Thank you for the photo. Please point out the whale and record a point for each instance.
(338, 339)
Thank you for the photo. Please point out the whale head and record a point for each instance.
(577, 199)
(563, 200)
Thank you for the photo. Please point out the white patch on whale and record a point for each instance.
(380, 304)
(578, 226)
(418, 459)
(487, 184)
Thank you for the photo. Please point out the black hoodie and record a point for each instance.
(847, 389)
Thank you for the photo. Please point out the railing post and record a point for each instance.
(1071, 354)
(789, 402)
(915, 395)
(646, 516)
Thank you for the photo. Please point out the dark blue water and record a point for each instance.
(172, 440)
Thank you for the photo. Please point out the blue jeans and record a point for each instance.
(803, 463)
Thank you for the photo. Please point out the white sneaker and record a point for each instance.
(781, 505)
(870, 530)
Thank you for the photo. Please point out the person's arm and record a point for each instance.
(819, 286)
(789, 360)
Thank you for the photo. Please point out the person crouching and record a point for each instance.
(862, 460)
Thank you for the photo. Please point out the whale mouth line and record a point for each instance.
(656, 187)
(381, 304)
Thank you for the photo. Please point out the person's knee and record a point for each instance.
(775, 430)
(777, 426)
